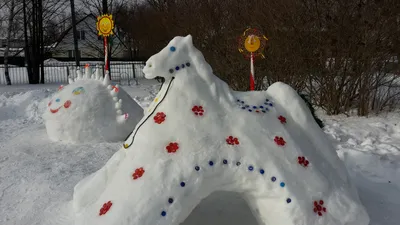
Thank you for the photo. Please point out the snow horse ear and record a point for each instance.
(189, 39)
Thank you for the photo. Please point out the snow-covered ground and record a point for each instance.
(37, 176)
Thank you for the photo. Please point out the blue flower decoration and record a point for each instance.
(172, 48)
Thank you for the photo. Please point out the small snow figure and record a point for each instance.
(279, 141)
(198, 110)
(138, 173)
(303, 161)
(159, 117)
(232, 141)
(282, 119)
(105, 208)
(172, 147)
(318, 207)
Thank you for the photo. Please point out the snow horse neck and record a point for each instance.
(179, 54)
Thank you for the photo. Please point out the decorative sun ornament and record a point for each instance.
(105, 25)
(252, 43)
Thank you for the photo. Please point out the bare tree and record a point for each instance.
(36, 14)
(11, 11)
(336, 51)
(95, 7)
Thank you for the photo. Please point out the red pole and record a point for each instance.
(252, 72)
(106, 56)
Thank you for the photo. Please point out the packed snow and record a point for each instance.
(199, 137)
(91, 109)
(37, 176)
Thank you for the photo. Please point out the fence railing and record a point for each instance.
(121, 72)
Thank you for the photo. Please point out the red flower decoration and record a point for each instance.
(138, 173)
(282, 119)
(303, 161)
(159, 117)
(172, 147)
(105, 208)
(198, 110)
(232, 141)
(319, 208)
(279, 141)
(60, 87)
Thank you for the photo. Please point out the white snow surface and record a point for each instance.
(147, 183)
(90, 109)
(37, 176)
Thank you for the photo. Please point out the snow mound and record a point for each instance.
(200, 137)
(91, 109)
(26, 105)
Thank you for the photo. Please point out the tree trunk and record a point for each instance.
(35, 44)
(6, 52)
(28, 62)
(75, 33)
(41, 44)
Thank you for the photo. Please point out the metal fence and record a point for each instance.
(121, 72)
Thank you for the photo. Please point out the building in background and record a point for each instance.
(90, 44)
(16, 40)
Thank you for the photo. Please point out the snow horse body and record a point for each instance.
(199, 136)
